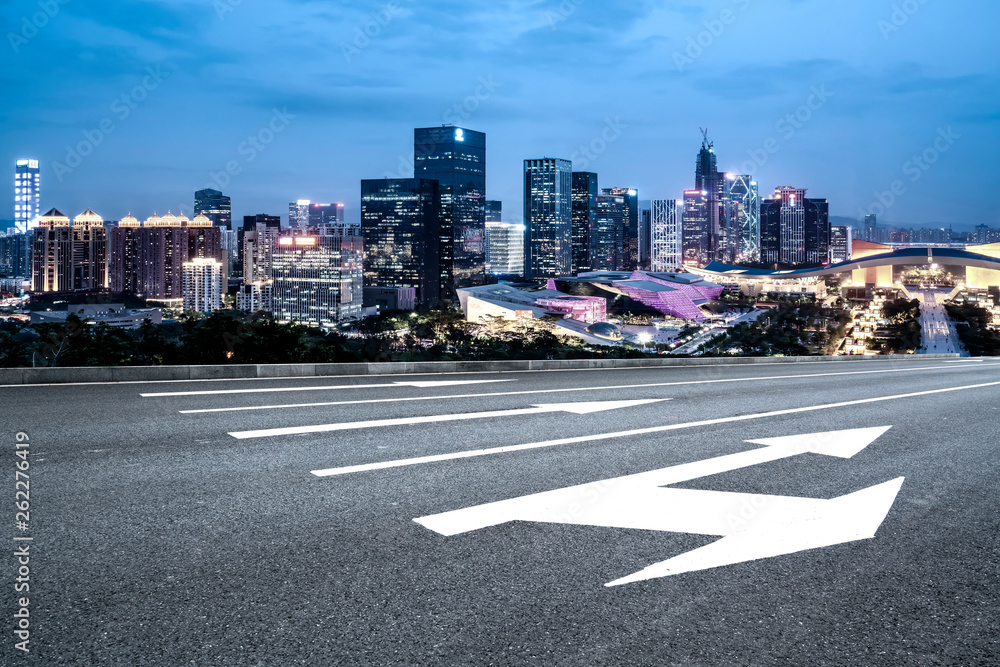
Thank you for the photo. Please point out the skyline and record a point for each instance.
(539, 80)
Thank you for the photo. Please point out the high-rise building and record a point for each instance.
(630, 231)
(69, 258)
(147, 260)
(215, 206)
(27, 194)
(608, 247)
(298, 214)
(841, 243)
(318, 276)
(456, 158)
(585, 193)
(505, 249)
(400, 222)
(494, 211)
(645, 238)
(712, 183)
(15, 255)
(795, 230)
(694, 229)
(666, 250)
(307, 213)
(257, 239)
(741, 205)
(203, 285)
(871, 227)
(548, 218)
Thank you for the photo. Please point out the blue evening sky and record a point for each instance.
(163, 95)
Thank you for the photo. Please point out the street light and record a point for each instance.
(645, 339)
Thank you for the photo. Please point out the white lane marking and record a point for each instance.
(575, 408)
(400, 463)
(965, 361)
(550, 391)
(774, 526)
(268, 390)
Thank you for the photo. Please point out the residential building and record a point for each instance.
(203, 285)
(67, 257)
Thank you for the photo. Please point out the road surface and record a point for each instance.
(939, 332)
(615, 517)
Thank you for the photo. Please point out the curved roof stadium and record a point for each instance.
(903, 257)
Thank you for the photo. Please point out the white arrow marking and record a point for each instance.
(775, 525)
(419, 384)
(576, 408)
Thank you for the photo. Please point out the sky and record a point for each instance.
(886, 106)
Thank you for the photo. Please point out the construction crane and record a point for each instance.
(706, 143)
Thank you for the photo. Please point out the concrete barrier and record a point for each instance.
(26, 376)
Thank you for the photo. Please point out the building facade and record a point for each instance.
(608, 236)
(318, 278)
(795, 230)
(203, 285)
(69, 258)
(27, 194)
(666, 249)
(629, 255)
(694, 230)
(741, 204)
(215, 206)
(585, 193)
(456, 158)
(401, 225)
(504, 249)
(548, 218)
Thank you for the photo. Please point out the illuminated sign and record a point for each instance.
(286, 241)
(305, 240)
(459, 135)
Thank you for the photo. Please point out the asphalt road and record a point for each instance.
(940, 336)
(161, 539)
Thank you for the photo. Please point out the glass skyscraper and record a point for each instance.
(630, 233)
(694, 228)
(27, 194)
(548, 218)
(794, 230)
(318, 278)
(665, 248)
(400, 221)
(456, 158)
(742, 220)
(607, 237)
(585, 193)
(215, 206)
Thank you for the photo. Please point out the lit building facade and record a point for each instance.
(841, 241)
(494, 211)
(504, 249)
(585, 193)
(456, 158)
(548, 217)
(694, 231)
(795, 230)
(68, 258)
(666, 251)
(203, 285)
(741, 205)
(27, 194)
(629, 253)
(608, 244)
(318, 278)
(401, 224)
(215, 206)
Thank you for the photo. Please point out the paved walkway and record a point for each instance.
(940, 336)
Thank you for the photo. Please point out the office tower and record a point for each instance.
(148, 260)
(710, 181)
(203, 285)
(298, 214)
(15, 254)
(400, 222)
(548, 218)
(608, 249)
(215, 206)
(325, 214)
(456, 158)
(630, 231)
(494, 211)
(69, 257)
(645, 238)
(585, 193)
(27, 194)
(504, 249)
(317, 277)
(740, 237)
(666, 250)
(841, 242)
(795, 230)
(694, 230)
(230, 242)
(871, 225)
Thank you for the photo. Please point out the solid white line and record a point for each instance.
(420, 385)
(550, 391)
(333, 472)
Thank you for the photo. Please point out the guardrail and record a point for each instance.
(105, 374)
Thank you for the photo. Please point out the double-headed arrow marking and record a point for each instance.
(751, 527)
(575, 408)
